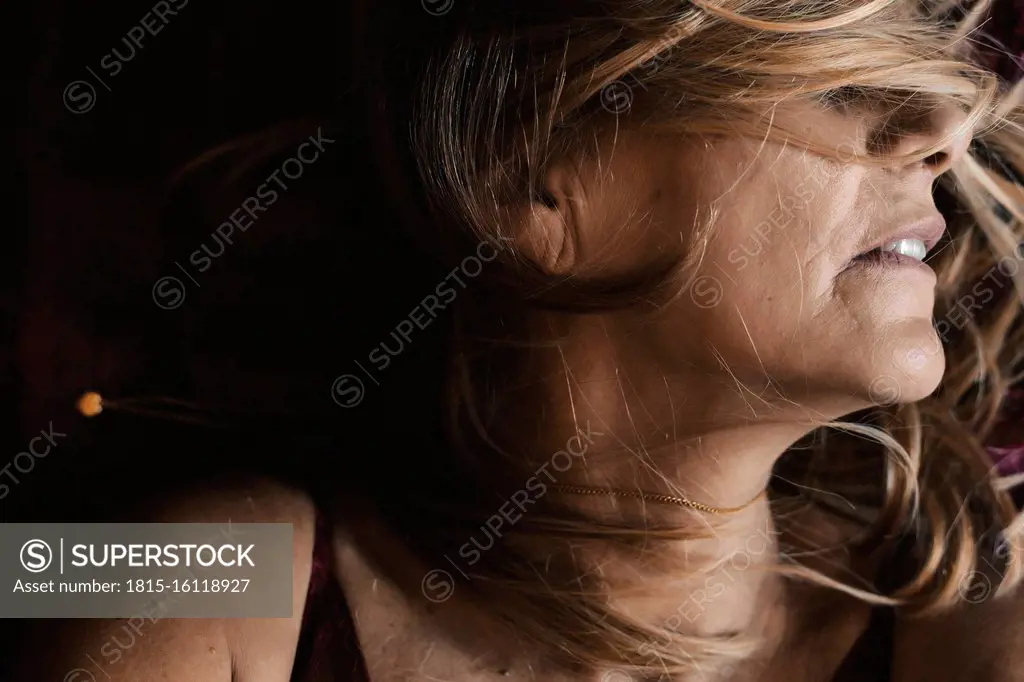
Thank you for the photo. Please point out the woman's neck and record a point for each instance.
(691, 436)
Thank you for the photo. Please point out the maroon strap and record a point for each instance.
(328, 648)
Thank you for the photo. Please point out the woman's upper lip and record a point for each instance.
(928, 229)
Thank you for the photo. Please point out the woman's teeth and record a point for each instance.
(912, 248)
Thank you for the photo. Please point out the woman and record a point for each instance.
(727, 294)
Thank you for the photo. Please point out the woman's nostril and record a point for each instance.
(937, 160)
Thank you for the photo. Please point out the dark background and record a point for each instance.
(98, 224)
(259, 337)
(262, 335)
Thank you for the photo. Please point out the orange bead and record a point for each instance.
(90, 404)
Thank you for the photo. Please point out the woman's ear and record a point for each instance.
(548, 223)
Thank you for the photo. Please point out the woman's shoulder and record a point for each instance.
(249, 500)
(247, 650)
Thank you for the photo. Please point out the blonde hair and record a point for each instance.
(506, 87)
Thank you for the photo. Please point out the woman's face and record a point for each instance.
(782, 299)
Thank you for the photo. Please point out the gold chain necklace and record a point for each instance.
(654, 497)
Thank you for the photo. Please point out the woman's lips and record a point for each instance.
(879, 260)
(928, 230)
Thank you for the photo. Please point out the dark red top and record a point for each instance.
(328, 649)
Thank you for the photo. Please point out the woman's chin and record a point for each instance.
(907, 369)
(912, 372)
